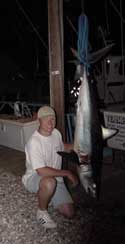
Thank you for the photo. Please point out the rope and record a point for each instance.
(31, 24)
(83, 40)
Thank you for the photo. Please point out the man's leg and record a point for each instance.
(67, 210)
(47, 188)
(62, 200)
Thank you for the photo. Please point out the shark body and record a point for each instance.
(89, 137)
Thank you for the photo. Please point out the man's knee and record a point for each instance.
(67, 210)
(48, 184)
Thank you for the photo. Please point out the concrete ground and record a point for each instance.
(109, 219)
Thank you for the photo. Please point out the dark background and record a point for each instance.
(24, 56)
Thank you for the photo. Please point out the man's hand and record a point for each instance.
(68, 147)
(73, 178)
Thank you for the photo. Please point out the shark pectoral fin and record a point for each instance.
(108, 133)
(72, 156)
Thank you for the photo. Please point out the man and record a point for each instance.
(44, 173)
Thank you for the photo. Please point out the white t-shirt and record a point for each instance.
(41, 151)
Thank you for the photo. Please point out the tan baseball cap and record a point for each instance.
(45, 111)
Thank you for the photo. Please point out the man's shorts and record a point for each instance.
(61, 195)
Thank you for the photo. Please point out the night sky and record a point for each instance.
(20, 44)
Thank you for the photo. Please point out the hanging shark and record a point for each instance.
(89, 137)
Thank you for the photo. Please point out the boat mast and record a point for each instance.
(122, 41)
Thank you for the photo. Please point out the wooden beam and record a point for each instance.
(56, 60)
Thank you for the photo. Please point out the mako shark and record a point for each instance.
(89, 137)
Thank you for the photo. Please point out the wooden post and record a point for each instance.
(56, 60)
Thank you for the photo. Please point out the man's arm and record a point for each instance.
(48, 171)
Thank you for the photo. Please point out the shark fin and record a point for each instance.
(108, 133)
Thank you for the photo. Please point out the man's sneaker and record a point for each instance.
(44, 218)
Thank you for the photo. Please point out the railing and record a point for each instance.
(20, 108)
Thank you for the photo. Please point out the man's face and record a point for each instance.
(47, 124)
